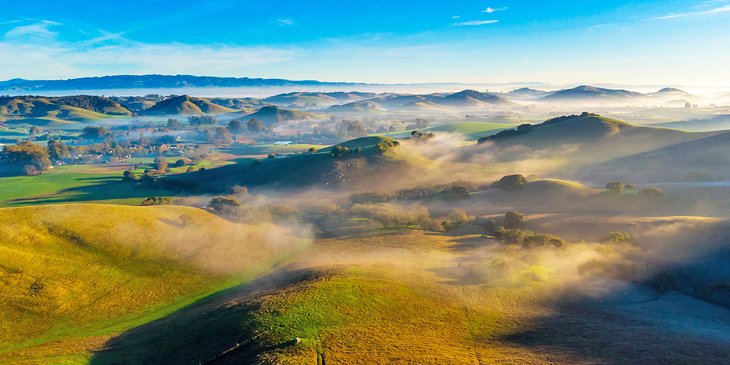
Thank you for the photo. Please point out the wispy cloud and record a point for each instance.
(284, 22)
(474, 23)
(35, 51)
(33, 32)
(715, 10)
(490, 10)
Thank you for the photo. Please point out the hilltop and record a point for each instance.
(52, 111)
(271, 115)
(585, 92)
(186, 105)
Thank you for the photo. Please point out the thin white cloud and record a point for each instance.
(715, 10)
(456, 17)
(490, 10)
(33, 32)
(284, 22)
(117, 55)
(475, 23)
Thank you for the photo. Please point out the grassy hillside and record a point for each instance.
(271, 115)
(186, 105)
(703, 159)
(403, 297)
(44, 112)
(319, 169)
(68, 282)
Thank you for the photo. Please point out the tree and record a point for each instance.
(34, 131)
(226, 205)
(235, 126)
(173, 123)
(651, 192)
(57, 150)
(615, 187)
(255, 126)
(129, 176)
(514, 219)
(183, 161)
(17, 158)
(94, 132)
(386, 145)
(161, 164)
(511, 182)
(619, 237)
(199, 120)
(219, 136)
(312, 150)
(340, 151)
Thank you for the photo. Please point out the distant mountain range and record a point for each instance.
(151, 82)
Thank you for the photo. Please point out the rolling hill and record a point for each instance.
(699, 160)
(357, 107)
(73, 275)
(591, 93)
(151, 82)
(56, 112)
(471, 98)
(563, 146)
(316, 99)
(302, 171)
(272, 115)
(186, 105)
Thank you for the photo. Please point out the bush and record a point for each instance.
(372, 197)
(543, 240)
(386, 145)
(527, 238)
(456, 218)
(619, 237)
(153, 200)
(225, 205)
(514, 219)
(129, 176)
(651, 192)
(340, 151)
(183, 161)
(615, 187)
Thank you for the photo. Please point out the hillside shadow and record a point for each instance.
(218, 329)
(101, 189)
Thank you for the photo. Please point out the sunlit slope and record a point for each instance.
(42, 112)
(71, 275)
(403, 297)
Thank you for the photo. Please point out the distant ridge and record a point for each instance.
(151, 82)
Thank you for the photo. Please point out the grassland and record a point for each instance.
(71, 275)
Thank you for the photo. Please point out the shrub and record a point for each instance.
(153, 200)
(225, 205)
(619, 237)
(183, 161)
(386, 145)
(615, 187)
(651, 192)
(129, 176)
(340, 151)
(514, 219)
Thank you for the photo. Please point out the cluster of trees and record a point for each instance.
(219, 136)
(25, 158)
(421, 136)
(94, 133)
(155, 200)
(620, 188)
(202, 120)
(512, 231)
(386, 145)
(511, 182)
(454, 190)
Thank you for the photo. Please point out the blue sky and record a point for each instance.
(675, 42)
